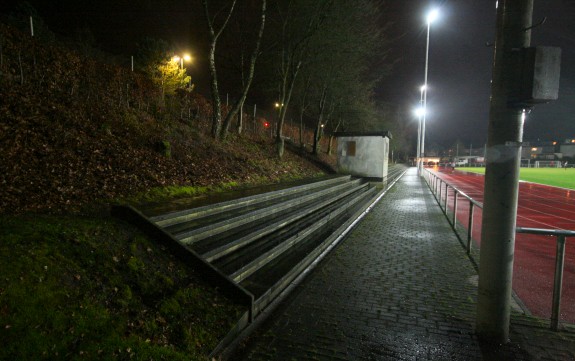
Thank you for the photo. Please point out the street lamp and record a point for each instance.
(431, 17)
(186, 57)
(180, 59)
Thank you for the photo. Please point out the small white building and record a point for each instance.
(568, 150)
(363, 154)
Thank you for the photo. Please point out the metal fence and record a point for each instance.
(442, 192)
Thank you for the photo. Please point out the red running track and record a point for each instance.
(539, 206)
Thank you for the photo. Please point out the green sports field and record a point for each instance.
(557, 177)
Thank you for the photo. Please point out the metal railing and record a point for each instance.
(437, 186)
(440, 189)
(559, 267)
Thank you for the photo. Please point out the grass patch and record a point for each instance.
(557, 177)
(79, 288)
(160, 194)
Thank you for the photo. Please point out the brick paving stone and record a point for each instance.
(399, 287)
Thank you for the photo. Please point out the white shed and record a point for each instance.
(364, 154)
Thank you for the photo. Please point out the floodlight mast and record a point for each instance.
(503, 156)
(431, 17)
(419, 114)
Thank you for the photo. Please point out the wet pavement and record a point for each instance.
(399, 287)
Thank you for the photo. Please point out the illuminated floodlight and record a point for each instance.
(419, 112)
(432, 16)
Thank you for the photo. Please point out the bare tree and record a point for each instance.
(215, 34)
(299, 21)
(220, 128)
(303, 104)
(345, 67)
(238, 104)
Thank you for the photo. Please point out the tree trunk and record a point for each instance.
(302, 110)
(239, 103)
(214, 35)
(317, 132)
(240, 119)
(316, 139)
(286, 97)
(301, 143)
(332, 136)
(216, 101)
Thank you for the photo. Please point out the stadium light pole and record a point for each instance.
(431, 17)
(504, 138)
(419, 114)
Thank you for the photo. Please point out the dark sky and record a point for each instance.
(460, 69)
(459, 63)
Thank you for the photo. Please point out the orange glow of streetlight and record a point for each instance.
(180, 59)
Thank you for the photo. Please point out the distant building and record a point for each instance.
(540, 150)
(470, 161)
(567, 149)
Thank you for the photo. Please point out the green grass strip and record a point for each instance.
(556, 177)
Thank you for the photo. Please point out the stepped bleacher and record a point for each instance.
(261, 242)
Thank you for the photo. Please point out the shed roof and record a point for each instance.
(384, 133)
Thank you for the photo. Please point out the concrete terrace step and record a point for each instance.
(172, 218)
(241, 237)
(230, 263)
(269, 228)
(301, 236)
(271, 280)
(209, 229)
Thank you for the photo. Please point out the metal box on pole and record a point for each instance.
(539, 75)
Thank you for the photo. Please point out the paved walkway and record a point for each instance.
(399, 287)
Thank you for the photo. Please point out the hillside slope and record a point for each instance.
(75, 132)
(76, 135)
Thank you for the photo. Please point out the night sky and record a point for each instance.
(460, 69)
(459, 64)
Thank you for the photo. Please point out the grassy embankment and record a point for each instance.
(86, 288)
(75, 136)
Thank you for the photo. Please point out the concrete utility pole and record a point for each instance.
(505, 134)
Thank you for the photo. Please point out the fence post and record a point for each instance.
(558, 283)
(470, 226)
(455, 193)
(446, 198)
(440, 192)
